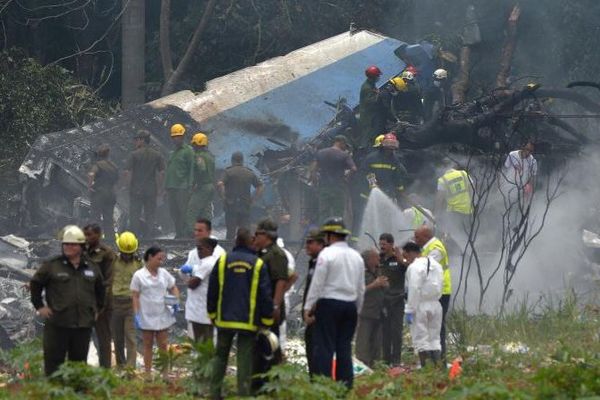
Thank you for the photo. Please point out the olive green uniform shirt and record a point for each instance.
(277, 266)
(395, 272)
(204, 168)
(373, 303)
(106, 175)
(74, 295)
(238, 181)
(103, 256)
(180, 168)
(122, 273)
(145, 163)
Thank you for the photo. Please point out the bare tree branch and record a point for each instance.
(508, 48)
(165, 38)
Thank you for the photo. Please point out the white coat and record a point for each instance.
(424, 279)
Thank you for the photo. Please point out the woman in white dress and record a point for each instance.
(152, 304)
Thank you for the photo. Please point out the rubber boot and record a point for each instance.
(423, 358)
(436, 356)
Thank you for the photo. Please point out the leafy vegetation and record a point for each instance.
(552, 353)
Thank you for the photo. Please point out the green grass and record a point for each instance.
(560, 359)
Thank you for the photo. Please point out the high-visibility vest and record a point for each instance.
(226, 267)
(437, 244)
(458, 195)
(418, 218)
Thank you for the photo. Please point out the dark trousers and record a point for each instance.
(445, 301)
(261, 366)
(332, 202)
(104, 337)
(368, 340)
(142, 207)
(309, 346)
(393, 324)
(178, 203)
(64, 343)
(245, 349)
(102, 207)
(202, 332)
(236, 218)
(334, 328)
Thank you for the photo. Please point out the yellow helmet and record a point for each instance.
(398, 83)
(177, 130)
(72, 234)
(378, 140)
(127, 242)
(200, 139)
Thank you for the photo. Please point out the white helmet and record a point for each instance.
(267, 343)
(408, 76)
(440, 74)
(72, 234)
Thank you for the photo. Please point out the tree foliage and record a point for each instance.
(36, 99)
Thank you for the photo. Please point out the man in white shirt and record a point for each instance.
(423, 310)
(195, 306)
(333, 301)
(519, 172)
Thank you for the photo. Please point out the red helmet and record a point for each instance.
(390, 141)
(373, 72)
(412, 68)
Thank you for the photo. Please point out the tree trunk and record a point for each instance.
(509, 48)
(133, 60)
(175, 77)
(165, 38)
(461, 85)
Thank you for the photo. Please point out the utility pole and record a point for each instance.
(133, 30)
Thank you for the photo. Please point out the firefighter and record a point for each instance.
(393, 301)
(103, 256)
(276, 263)
(435, 249)
(369, 330)
(382, 168)
(454, 200)
(423, 309)
(438, 96)
(313, 246)
(388, 95)
(334, 165)
(235, 190)
(239, 280)
(179, 180)
(407, 105)
(144, 174)
(67, 291)
(122, 324)
(200, 204)
(372, 116)
(334, 300)
(102, 178)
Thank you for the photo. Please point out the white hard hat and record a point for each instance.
(407, 75)
(440, 74)
(267, 343)
(72, 234)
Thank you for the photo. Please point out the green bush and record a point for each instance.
(86, 379)
(291, 382)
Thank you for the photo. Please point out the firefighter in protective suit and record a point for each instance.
(423, 309)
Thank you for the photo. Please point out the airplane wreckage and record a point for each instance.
(279, 112)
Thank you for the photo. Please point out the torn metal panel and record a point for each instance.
(273, 106)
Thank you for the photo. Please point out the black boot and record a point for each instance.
(436, 357)
(423, 358)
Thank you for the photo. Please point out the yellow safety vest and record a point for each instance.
(437, 244)
(458, 195)
(418, 219)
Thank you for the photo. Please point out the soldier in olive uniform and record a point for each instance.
(393, 302)
(74, 292)
(200, 204)
(234, 189)
(144, 174)
(103, 256)
(102, 178)
(276, 262)
(369, 330)
(372, 114)
(179, 180)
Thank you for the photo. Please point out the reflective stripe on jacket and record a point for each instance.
(239, 292)
(437, 244)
